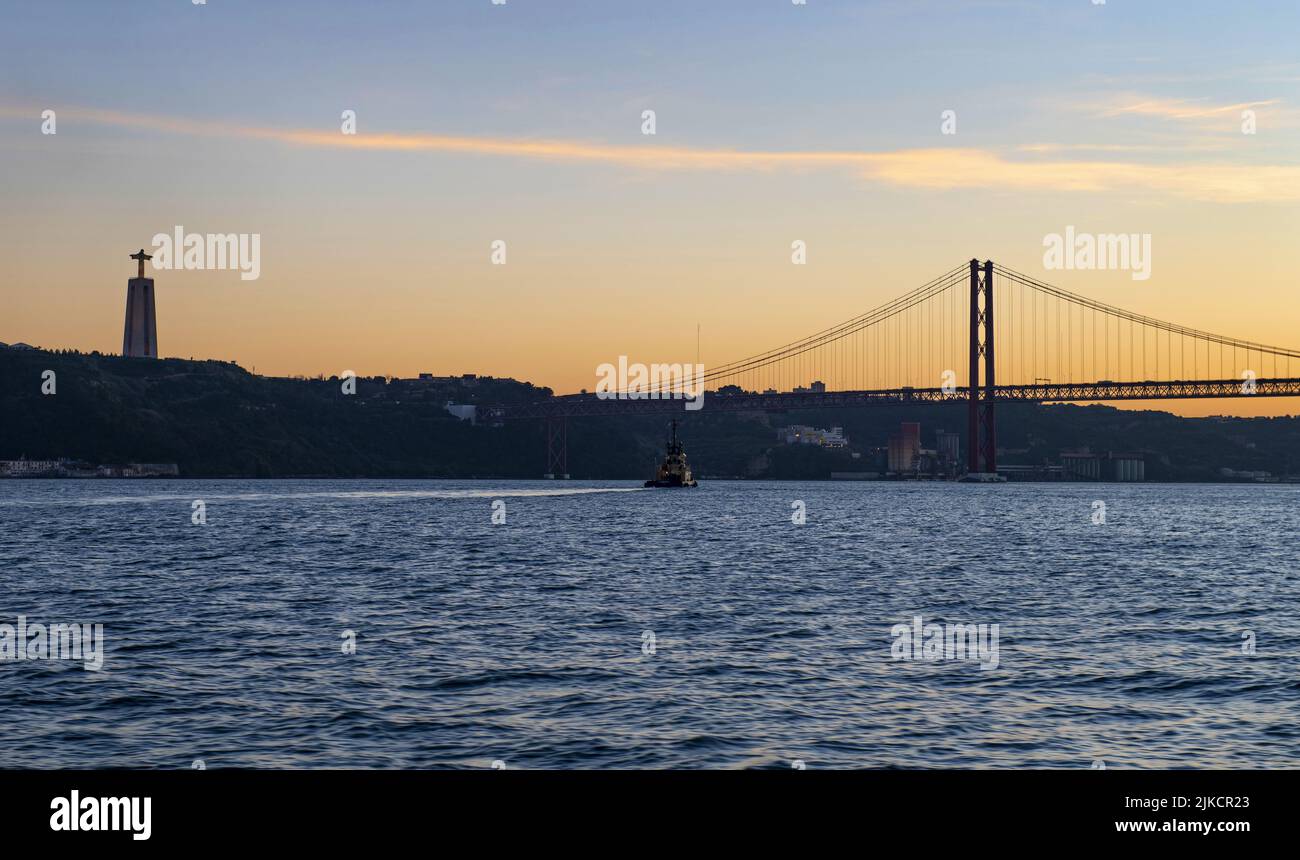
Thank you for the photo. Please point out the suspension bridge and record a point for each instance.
(979, 334)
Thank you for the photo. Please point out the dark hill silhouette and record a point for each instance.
(215, 419)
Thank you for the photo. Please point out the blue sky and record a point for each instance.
(769, 74)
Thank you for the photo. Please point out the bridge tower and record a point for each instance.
(981, 425)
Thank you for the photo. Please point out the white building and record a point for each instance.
(801, 434)
(465, 412)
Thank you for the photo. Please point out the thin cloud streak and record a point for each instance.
(1217, 118)
(934, 168)
(1183, 109)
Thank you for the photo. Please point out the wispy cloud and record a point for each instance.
(936, 168)
(1182, 145)
(1183, 109)
(1202, 114)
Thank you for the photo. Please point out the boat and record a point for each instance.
(674, 471)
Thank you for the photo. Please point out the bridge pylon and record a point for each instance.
(557, 447)
(981, 424)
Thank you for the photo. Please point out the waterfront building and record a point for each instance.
(905, 448)
(802, 434)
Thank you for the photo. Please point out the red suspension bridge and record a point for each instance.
(979, 334)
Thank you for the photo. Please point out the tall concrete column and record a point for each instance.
(140, 333)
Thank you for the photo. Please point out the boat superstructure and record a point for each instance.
(674, 471)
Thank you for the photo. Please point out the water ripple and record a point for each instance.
(603, 626)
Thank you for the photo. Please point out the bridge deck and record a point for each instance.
(583, 405)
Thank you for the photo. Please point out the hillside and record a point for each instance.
(215, 419)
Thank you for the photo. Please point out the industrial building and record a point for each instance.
(905, 448)
(1111, 466)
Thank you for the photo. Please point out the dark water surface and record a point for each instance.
(522, 642)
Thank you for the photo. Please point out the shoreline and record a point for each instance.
(1294, 481)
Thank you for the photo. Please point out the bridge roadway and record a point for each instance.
(588, 405)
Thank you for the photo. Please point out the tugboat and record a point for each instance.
(674, 472)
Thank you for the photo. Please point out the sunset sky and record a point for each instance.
(522, 122)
